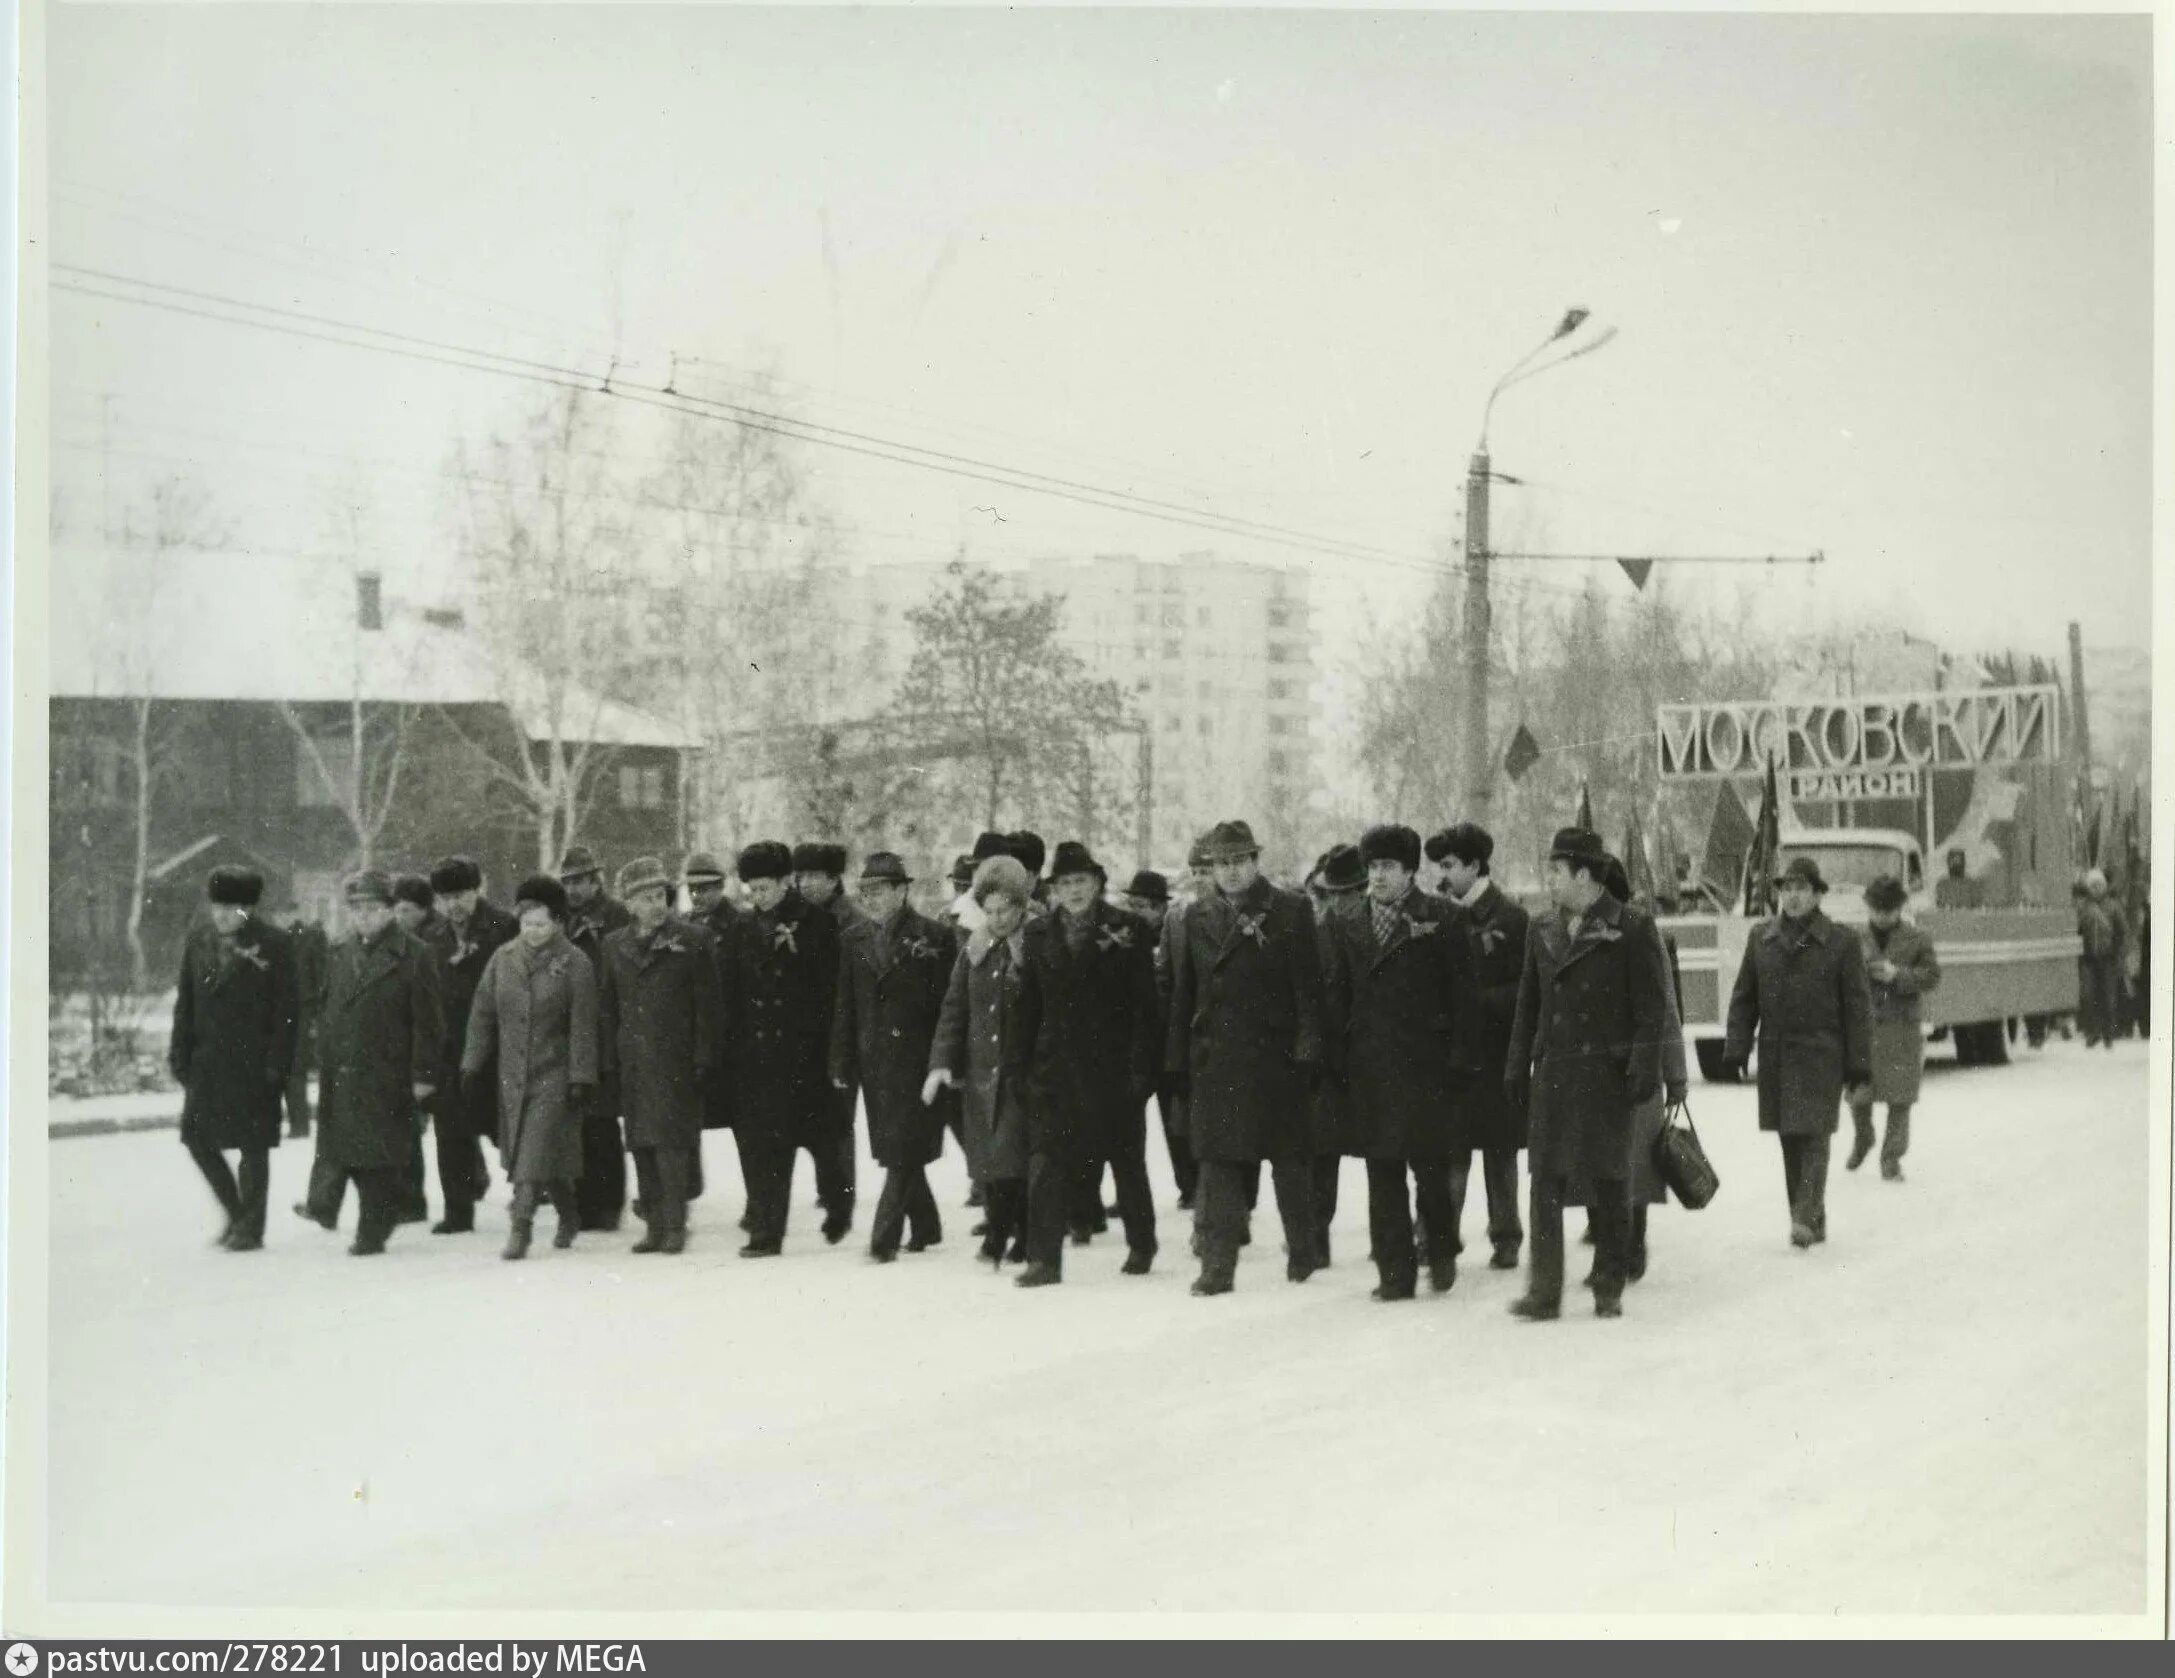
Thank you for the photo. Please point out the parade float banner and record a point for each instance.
(1861, 747)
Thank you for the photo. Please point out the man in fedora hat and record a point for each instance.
(381, 1053)
(467, 929)
(1400, 1005)
(893, 966)
(780, 979)
(234, 1041)
(1148, 895)
(657, 1020)
(1246, 1045)
(1585, 1053)
(1088, 1041)
(1803, 997)
(593, 915)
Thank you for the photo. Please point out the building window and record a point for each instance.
(1171, 725)
(1205, 727)
(1279, 614)
(369, 601)
(1279, 653)
(641, 786)
(1279, 762)
(1280, 690)
(1280, 725)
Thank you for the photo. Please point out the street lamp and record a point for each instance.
(1479, 767)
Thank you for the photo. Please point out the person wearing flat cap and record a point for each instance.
(710, 907)
(532, 1050)
(1901, 970)
(658, 1012)
(779, 973)
(1401, 1007)
(233, 1045)
(381, 1051)
(1803, 998)
(1498, 926)
(593, 915)
(464, 934)
(1087, 1040)
(819, 875)
(893, 966)
(1585, 1053)
(1247, 1038)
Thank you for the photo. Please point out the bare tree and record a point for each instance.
(363, 775)
(549, 524)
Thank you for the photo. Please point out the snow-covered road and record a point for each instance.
(1942, 1411)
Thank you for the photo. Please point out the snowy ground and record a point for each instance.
(1942, 1411)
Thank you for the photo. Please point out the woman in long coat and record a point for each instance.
(893, 970)
(978, 1051)
(1088, 1042)
(536, 1011)
(1801, 994)
(1901, 969)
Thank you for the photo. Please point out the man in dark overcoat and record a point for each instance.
(710, 908)
(1148, 896)
(1337, 884)
(1497, 927)
(593, 915)
(658, 1013)
(780, 981)
(893, 967)
(819, 875)
(467, 929)
(1802, 996)
(1088, 1037)
(310, 943)
(1399, 989)
(1246, 1039)
(233, 1044)
(381, 1038)
(1585, 1052)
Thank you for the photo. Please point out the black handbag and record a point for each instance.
(1682, 1163)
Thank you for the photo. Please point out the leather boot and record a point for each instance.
(518, 1238)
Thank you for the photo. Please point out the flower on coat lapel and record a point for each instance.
(1251, 926)
(781, 938)
(1421, 929)
(1490, 938)
(917, 947)
(248, 953)
(667, 945)
(1114, 937)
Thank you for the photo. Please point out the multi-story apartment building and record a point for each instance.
(1217, 655)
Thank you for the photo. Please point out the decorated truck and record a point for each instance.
(1897, 785)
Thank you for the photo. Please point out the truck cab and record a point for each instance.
(1851, 858)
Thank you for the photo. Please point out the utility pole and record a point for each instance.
(1144, 811)
(1479, 776)
(2084, 726)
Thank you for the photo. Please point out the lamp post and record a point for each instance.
(1479, 776)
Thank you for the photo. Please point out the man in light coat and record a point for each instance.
(1901, 970)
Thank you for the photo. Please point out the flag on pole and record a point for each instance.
(1766, 852)
(2091, 838)
(1524, 753)
(1729, 834)
(1666, 852)
(1636, 570)
(1585, 809)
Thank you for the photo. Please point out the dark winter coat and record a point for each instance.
(891, 984)
(1246, 1022)
(381, 1032)
(717, 1091)
(780, 977)
(980, 1041)
(1588, 1034)
(657, 1020)
(1088, 1034)
(1401, 1025)
(1899, 1033)
(1337, 1131)
(535, 1016)
(1499, 928)
(1802, 994)
(463, 955)
(1649, 1116)
(587, 928)
(311, 948)
(235, 1035)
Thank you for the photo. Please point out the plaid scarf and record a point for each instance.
(1386, 917)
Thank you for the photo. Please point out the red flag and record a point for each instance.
(1524, 753)
(1636, 570)
(1729, 833)
(1766, 853)
(1638, 869)
(1585, 809)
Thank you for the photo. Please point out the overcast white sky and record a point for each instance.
(1883, 285)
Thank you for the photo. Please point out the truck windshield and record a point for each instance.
(1849, 867)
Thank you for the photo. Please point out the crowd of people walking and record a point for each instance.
(1400, 1009)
